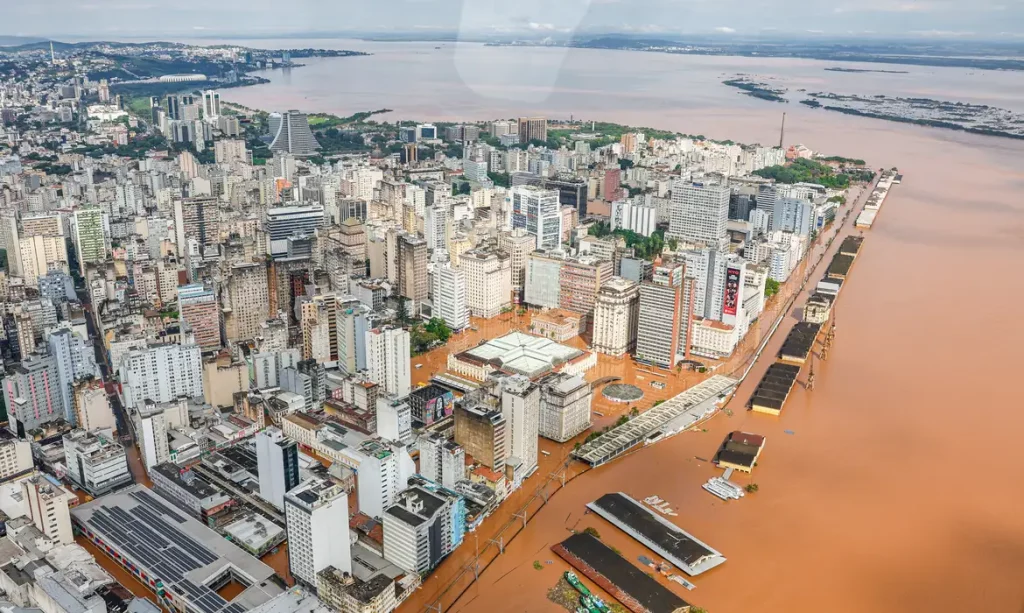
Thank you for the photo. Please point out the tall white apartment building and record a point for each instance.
(435, 225)
(387, 358)
(564, 406)
(699, 213)
(518, 244)
(152, 423)
(161, 373)
(539, 212)
(316, 520)
(441, 460)
(278, 465)
(638, 217)
(616, 313)
(450, 295)
(488, 281)
(520, 405)
(384, 471)
(89, 235)
(48, 509)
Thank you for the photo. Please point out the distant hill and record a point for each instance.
(13, 41)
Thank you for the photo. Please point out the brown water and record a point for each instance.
(898, 489)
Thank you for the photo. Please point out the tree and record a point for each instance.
(439, 328)
(634, 412)
(751, 487)
(625, 163)
(771, 287)
(592, 531)
(402, 313)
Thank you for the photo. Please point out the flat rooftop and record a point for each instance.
(840, 265)
(521, 353)
(165, 545)
(851, 245)
(632, 581)
(800, 341)
(677, 546)
(774, 388)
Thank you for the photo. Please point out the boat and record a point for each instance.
(576, 583)
(588, 604)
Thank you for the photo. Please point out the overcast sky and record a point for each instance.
(990, 19)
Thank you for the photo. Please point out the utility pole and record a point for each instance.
(810, 376)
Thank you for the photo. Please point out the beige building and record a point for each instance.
(345, 593)
(616, 311)
(247, 301)
(222, 379)
(488, 281)
(319, 328)
(48, 508)
(15, 458)
(39, 254)
(92, 407)
(517, 244)
(557, 324)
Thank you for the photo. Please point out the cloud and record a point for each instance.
(725, 30)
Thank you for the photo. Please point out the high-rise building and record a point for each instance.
(699, 213)
(315, 512)
(290, 133)
(435, 225)
(48, 508)
(564, 406)
(284, 222)
(518, 244)
(195, 218)
(633, 216)
(95, 463)
(211, 105)
(153, 422)
(90, 238)
(387, 356)
(32, 393)
(449, 299)
(481, 431)
(15, 458)
(539, 212)
(579, 281)
(572, 191)
(247, 298)
(75, 359)
(422, 528)
(488, 281)
(40, 254)
(616, 317)
(229, 151)
(658, 317)
(197, 306)
(161, 373)
(533, 128)
(543, 278)
(412, 269)
(278, 465)
(441, 460)
(611, 187)
(793, 215)
(384, 471)
(520, 404)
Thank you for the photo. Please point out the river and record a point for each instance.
(895, 491)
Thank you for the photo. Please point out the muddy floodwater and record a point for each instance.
(897, 490)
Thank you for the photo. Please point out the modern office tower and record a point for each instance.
(278, 465)
(449, 300)
(518, 244)
(383, 472)
(482, 432)
(793, 215)
(387, 356)
(195, 218)
(532, 128)
(48, 509)
(316, 519)
(579, 281)
(161, 373)
(95, 463)
(422, 528)
(32, 394)
(699, 213)
(659, 314)
(291, 134)
(435, 225)
(441, 460)
(616, 317)
(211, 105)
(426, 131)
(173, 107)
(539, 212)
(284, 222)
(15, 458)
(412, 269)
(564, 406)
(90, 238)
(247, 299)
(520, 404)
(543, 276)
(572, 191)
(75, 359)
(637, 217)
(488, 281)
(197, 306)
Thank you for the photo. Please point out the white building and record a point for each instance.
(418, 532)
(316, 518)
(383, 472)
(441, 460)
(48, 508)
(616, 317)
(488, 281)
(387, 357)
(153, 423)
(160, 373)
(638, 217)
(699, 213)
(394, 419)
(15, 458)
(449, 297)
(278, 464)
(539, 212)
(793, 215)
(95, 463)
(520, 405)
(564, 406)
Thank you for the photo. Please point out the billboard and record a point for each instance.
(438, 408)
(732, 291)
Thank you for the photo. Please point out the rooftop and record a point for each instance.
(522, 353)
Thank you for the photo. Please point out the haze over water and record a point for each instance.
(898, 490)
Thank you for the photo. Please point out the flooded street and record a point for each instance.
(893, 492)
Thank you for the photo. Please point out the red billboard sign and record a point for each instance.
(732, 291)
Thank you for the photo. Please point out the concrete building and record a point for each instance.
(449, 296)
(387, 356)
(153, 423)
(48, 508)
(95, 463)
(488, 281)
(246, 302)
(564, 406)
(481, 431)
(520, 404)
(315, 511)
(182, 487)
(543, 280)
(699, 213)
(15, 458)
(539, 212)
(793, 215)
(90, 237)
(616, 317)
(412, 281)
(660, 310)
(423, 527)
(394, 419)
(347, 593)
(580, 280)
(278, 460)
(641, 218)
(160, 373)
(197, 306)
(32, 394)
(92, 406)
(532, 128)
(290, 133)
(383, 472)
(441, 460)
(518, 244)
